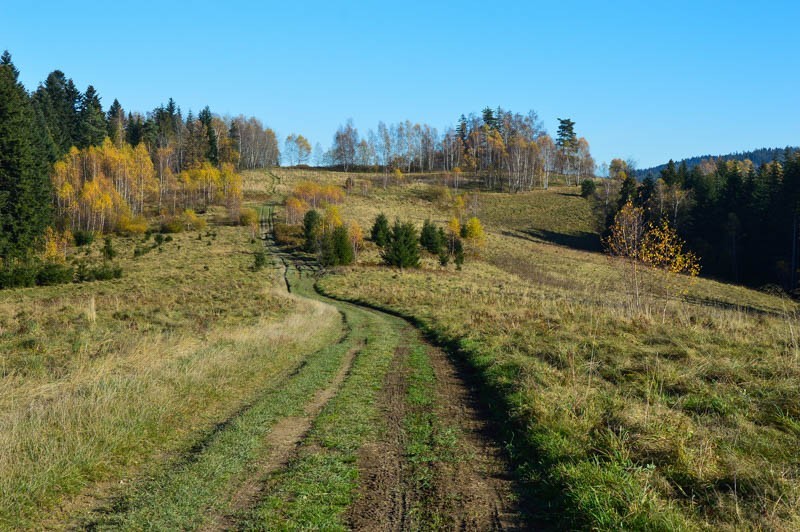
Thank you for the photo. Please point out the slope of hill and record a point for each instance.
(675, 412)
(758, 157)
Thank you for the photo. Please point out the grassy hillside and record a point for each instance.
(680, 412)
(109, 379)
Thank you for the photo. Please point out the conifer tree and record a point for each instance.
(92, 121)
(402, 249)
(380, 231)
(25, 198)
(429, 238)
(312, 226)
(116, 123)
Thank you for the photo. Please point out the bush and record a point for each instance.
(193, 221)
(248, 217)
(172, 225)
(106, 272)
(18, 276)
(289, 235)
(259, 260)
(52, 274)
(136, 225)
(159, 238)
(108, 249)
(103, 272)
(83, 238)
(588, 187)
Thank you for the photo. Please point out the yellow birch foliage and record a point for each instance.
(662, 248)
(454, 226)
(295, 210)
(55, 245)
(333, 217)
(356, 235)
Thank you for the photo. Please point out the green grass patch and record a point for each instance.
(183, 497)
(316, 489)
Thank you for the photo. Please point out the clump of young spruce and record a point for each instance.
(330, 241)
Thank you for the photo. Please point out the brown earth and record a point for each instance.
(471, 492)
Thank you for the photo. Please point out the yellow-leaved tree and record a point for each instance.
(356, 235)
(625, 240)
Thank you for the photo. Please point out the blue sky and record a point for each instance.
(647, 80)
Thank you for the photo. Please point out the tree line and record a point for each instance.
(66, 162)
(506, 150)
(743, 220)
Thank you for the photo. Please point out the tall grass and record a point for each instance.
(106, 380)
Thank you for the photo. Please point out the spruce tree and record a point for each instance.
(402, 249)
(380, 231)
(312, 225)
(60, 101)
(628, 190)
(429, 238)
(336, 248)
(669, 174)
(93, 126)
(116, 123)
(25, 208)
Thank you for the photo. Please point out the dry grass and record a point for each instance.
(100, 379)
(678, 413)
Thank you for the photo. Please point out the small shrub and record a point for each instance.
(136, 225)
(159, 238)
(168, 238)
(289, 235)
(52, 274)
(108, 249)
(105, 272)
(259, 260)
(588, 187)
(18, 276)
(193, 221)
(248, 217)
(172, 225)
(83, 238)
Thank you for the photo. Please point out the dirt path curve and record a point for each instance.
(472, 491)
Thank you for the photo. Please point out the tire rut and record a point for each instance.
(283, 440)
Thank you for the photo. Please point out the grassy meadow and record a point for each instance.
(109, 380)
(679, 411)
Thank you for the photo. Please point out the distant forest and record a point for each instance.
(742, 219)
(757, 157)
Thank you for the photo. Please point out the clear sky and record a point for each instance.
(647, 80)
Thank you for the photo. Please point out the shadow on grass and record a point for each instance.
(582, 240)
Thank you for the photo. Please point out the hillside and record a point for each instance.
(757, 157)
(674, 414)
(530, 388)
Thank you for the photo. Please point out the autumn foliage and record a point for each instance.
(107, 187)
